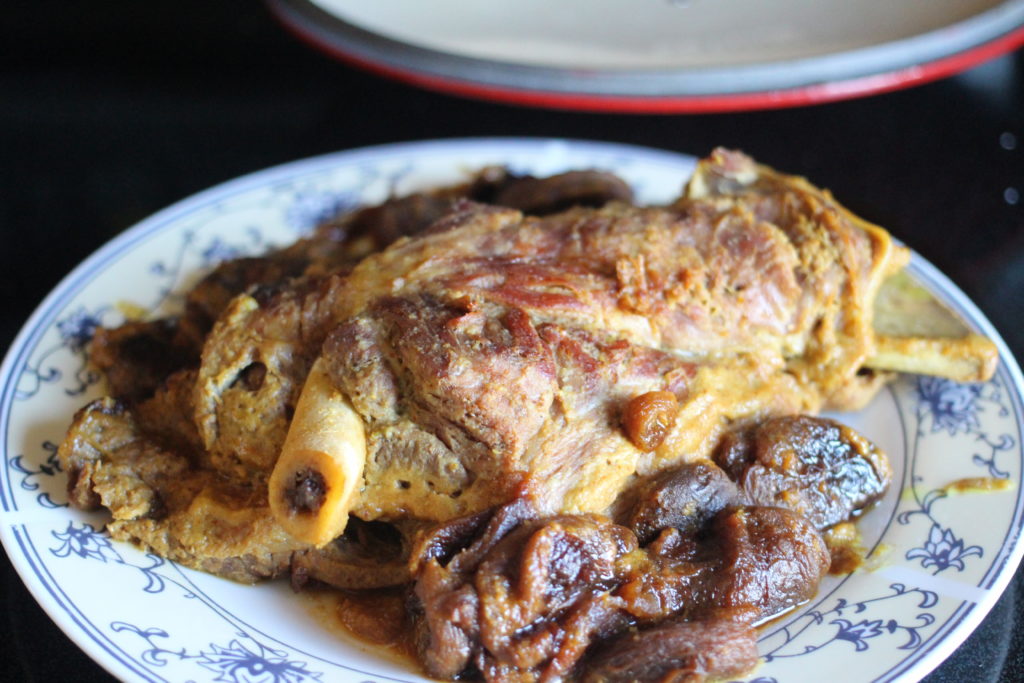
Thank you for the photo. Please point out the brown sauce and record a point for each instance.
(376, 618)
(978, 485)
(846, 547)
(844, 544)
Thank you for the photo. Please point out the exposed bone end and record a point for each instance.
(914, 332)
(309, 499)
(306, 492)
(966, 359)
(903, 308)
(314, 482)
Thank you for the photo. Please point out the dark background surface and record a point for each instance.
(110, 111)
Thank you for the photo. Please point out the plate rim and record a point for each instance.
(845, 74)
(967, 616)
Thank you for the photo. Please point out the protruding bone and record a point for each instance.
(916, 333)
(317, 475)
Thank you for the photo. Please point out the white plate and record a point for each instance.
(946, 559)
(661, 55)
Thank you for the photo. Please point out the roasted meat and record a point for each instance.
(559, 419)
(476, 353)
(160, 500)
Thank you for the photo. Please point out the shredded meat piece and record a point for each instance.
(368, 555)
(137, 357)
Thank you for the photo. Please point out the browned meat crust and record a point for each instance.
(339, 244)
(476, 352)
(137, 357)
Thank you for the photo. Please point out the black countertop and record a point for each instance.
(110, 111)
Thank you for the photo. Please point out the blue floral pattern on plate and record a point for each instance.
(942, 558)
(955, 409)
